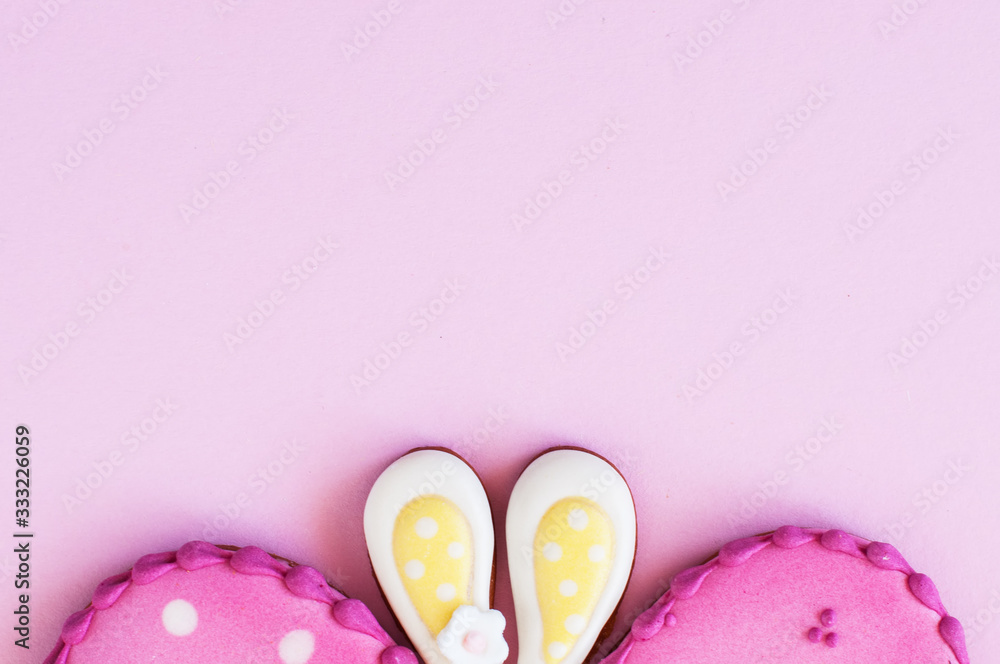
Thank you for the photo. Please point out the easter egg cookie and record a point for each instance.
(571, 537)
(429, 531)
(801, 596)
(227, 606)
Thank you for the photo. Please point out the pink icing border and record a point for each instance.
(300, 580)
(883, 556)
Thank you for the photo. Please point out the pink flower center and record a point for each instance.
(474, 642)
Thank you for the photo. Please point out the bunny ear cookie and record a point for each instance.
(801, 596)
(429, 531)
(571, 535)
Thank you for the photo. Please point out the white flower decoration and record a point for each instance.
(474, 636)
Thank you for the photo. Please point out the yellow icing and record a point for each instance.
(574, 547)
(432, 547)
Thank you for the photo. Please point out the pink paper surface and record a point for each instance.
(575, 258)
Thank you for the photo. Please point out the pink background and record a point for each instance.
(705, 467)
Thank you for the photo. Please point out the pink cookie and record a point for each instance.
(205, 603)
(802, 596)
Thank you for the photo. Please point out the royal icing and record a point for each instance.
(474, 636)
(206, 603)
(432, 547)
(571, 542)
(429, 531)
(797, 595)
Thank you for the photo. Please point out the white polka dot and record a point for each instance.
(552, 551)
(567, 588)
(426, 527)
(575, 624)
(596, 553)
(414, 569)
(296, 647)
(577, 519)
(179, 617)
(446, 592)
(455, 550)
(557, 650)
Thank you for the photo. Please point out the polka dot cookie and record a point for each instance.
(206, 603)
(429, 531)
(571, 542)
(797, 596)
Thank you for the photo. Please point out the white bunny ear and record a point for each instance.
(570, 544)
(430, 538)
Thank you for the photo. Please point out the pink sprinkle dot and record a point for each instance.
(828, 618)
(474, 642)
(815, 635)
(670, 620)
(832, 639)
